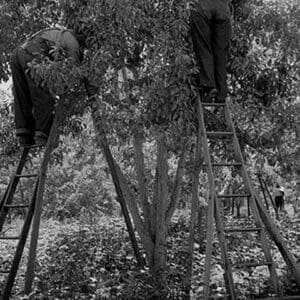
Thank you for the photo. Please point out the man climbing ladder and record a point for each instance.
(211, 30)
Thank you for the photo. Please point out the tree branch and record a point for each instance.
(140, 225)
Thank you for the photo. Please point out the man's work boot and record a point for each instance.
(40, 139)
(26, 140)
(212, 94)
(219, 100)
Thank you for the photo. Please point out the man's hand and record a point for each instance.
(91, 89)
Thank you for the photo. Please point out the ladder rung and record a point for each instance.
(26, 175)
(16, 205)
(4, 272)
(233, 195)
(253, 264)
(9, 237)
(34, 146)
(239, 229)
(226, 164)
(219, 133)
(281, 298)
(212, 104)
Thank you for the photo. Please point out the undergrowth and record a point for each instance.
(83, 260)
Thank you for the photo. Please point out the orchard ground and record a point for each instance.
(91, 258)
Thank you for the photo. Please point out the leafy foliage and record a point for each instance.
(69, 193)
(263, 77)
(81, 260)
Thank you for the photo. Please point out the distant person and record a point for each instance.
(210, 24)
(34, 104)
(279, 197)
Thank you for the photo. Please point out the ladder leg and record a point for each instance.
(213, 211)
(266, 248)
(280, 243)
(21, 244)
(209, 245)
(263, 191)
(269, 194)
(223, 245)
(194, 210)
(39, 197)
(253, 205)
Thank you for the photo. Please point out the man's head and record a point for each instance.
(81, 30)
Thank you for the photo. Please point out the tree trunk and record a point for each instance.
(151, 215)
(177, 187)
(159, 255)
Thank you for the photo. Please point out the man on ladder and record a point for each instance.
(210, 29)
(210, 24)
(33, 103)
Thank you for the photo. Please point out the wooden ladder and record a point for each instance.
(7, 204)
(34, 210)
(215, 210)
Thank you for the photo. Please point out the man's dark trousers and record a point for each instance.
(211, 32)
(33, 104)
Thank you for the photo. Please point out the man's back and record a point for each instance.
(60, 38)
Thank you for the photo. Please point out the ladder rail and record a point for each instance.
(279, 241)
(269, 194)
(263, 223)
(263, 191)
(211, 202)
(20, 248)
(213, 211)
(194, 209)
(30, 272)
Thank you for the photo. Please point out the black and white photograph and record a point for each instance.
(149, 149)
